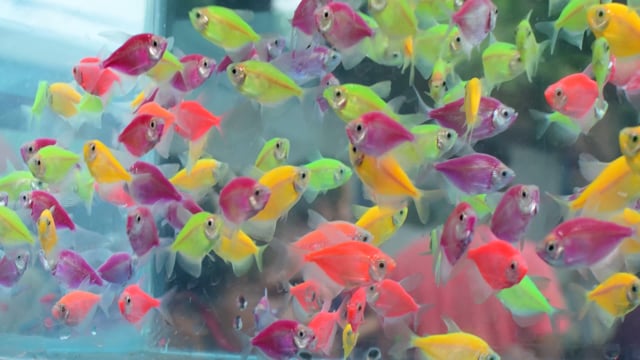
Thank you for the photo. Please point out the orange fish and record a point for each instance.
(134, 303)
(324, 325)
(114, 194)
(310, 297)
(331, 233)
(93, 78)
(154, 109)
(192, 120)
(75, 307)
(352, 264)
(356, 305)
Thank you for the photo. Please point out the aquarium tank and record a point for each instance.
(319, 179)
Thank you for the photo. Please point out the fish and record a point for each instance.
(530, 50)
(196, 70)
(515, 211)
(615, 297)
(104, 167)
(355, 308)
(72, 270)
(308, 65)
(47, 233)
(617, 23)
(76, 307)
(149, 186)
(237, 248)
(27, 150)
(223, 27)
(117, 269)
(12, 266)
(340, 25)
(243, 198)
(286, 184)
(324, 326)
(37, 201)
(134, 304)
(381, 222)
(325, 174)
(501, 62)
(376, 133)
(142, 134)
(204, 175)
(51, 164)
(570, 24)
(141, 230)
(476, 19)
(139, 54)
(196, 240)
(283, 339)
(476, 173)
(263, 82)
(12, 230)
(274, 153)
(526, 303)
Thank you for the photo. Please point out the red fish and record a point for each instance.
(193, 120)
(142, 134)
(137, 55)
(573, 95)
(75, 307)
(93, 78)
(303, 16)
(134, 303)
(356, 306)
(352, 264)
(324, 326)
(390, 299)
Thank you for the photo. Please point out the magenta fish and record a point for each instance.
(307, 65)
(12, 266)
(515, 211)
(142, 230)
(117, 269)
(177, 209)
(242, 198)
(73, 270)
(142, 134)
(137, 55)
(303, 17)
(149, 186)
(197, 69)
(456, 236)
(581, 242)
(283, 339)
(494, 118)
(38, 201)
(375, 133)
(341, 26)
(476, 19)
(476, 173)
(29, 149)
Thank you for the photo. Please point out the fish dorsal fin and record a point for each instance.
(382, 88)
(315, 155)
(395, 103)
(412, 281)
(246, 15)
(452, 327)
(359, 210)
(116, 36)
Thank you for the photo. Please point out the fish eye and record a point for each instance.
(496, 11)
(372, 288)
(338, 93)
(513, 265)
(551, 247)
(303, 175)
(278, 145)
(634, 288)
(154, 43)
(359, 307)
(373, 354)
(359, 127)
(301, 333)
(127, 299)
(198, 15)
(276, 42)
(210, 222)
(354, 149)
(138, 218)
(38, 162)
(401, 212)
(461, 217)
(30, 149)
(152, 124)
(234, 70)
(365, 238)
(634, 138)
(524, 194)
(92, 147)
(449, 135)
(256, 192)
(505, 113)
(558, 92)
(395, 54)
(62, 308)
(382, 265)
(444, 84)
(326, 14)
(458, 39)
(600, 13)
(24, 197)
(205, 63)
(504, 173)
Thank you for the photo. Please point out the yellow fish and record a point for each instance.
(287, 184)
(619, 24)
(472, 96)
(629, 140)
(616, 297)
(387, 183)
(205, 174)
(382, 222)
(47, 232)
(237, 248)
(349, 340)
(64, 99)
(103, 166)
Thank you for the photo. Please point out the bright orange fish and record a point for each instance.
(134, 303)
(154, 109)
(356, 306)
(193, 120)
(75, 307)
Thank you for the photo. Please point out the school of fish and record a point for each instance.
(343, 263)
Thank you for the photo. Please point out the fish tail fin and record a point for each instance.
(548, 28)
(403, 338)
(259, 255)
(423, 106)
(409, 58)
(423, 201)
(354, 55)
(543, 121)
(165, 259)
(191, 266)
(163, 308)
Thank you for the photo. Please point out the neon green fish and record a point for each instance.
(526, 303)
(196, 239)
(529, 49)
(438, 81)
(16, 182)
(274, 153)
(325, 174)
(454, 93)
(223, 27)
(437, 42)
(431, 142)
(51, 164)
(565, 123)
(41, 99)
(601, 63)
(501, 62)
(12, 230)
(380, 48)
(262, 82)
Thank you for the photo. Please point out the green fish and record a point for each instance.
(77, 188)
(439, 42)
(223, 27)
(12, 230)
(41, 99)
(263, 82)
(501, 62)
(90, 104)
(396, 18)
(325, 174)
(429, 12)
(442, 70)
(274, 153)
(601, 64)
(51, 164)
(350, 101)
(431, 143)
(565, 124)
(479, 204)
(16, 182)
(526, 303)
(454, 93)
(196, 239)
(380, 48)
(529, 49)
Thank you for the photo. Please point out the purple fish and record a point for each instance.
(137, 55)
(494, 118)
(476, 173)
(29, 149)
(581, 242)
(283, 339)
(73, 270)
(303, 66)
(341, 26)
(12, 266)
(457, 233)
(375, 133)
(142, 230)
(270, 47)
(197, 69)
(149, 186)
(303, 17)
(327, 80)
(518, 206)
(178, 212)
(476, 19)
(242, 198)
(263, 314)
(118, 269)
(142, 134)
(37, 201)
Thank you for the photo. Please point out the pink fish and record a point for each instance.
(476, 173)
(573, 95)
(192, 120)
(72, 270)
(493, 118)
(177, 209)
(142, 230)
(114, 194)
(457, 233)
(581, 242)
(12, 266)
(197, 69)
(355, 308)
(476, 19)
(324, 326)
(137, 55)
(149, 186)
(142, 134)
(117, 269)
(518, 206)
(37, 201)
(93, 78)
(375, 133)
(29, 149)
(242, 198)
(283, 339)
(390, 299)
(341, 26)
(303, 17)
